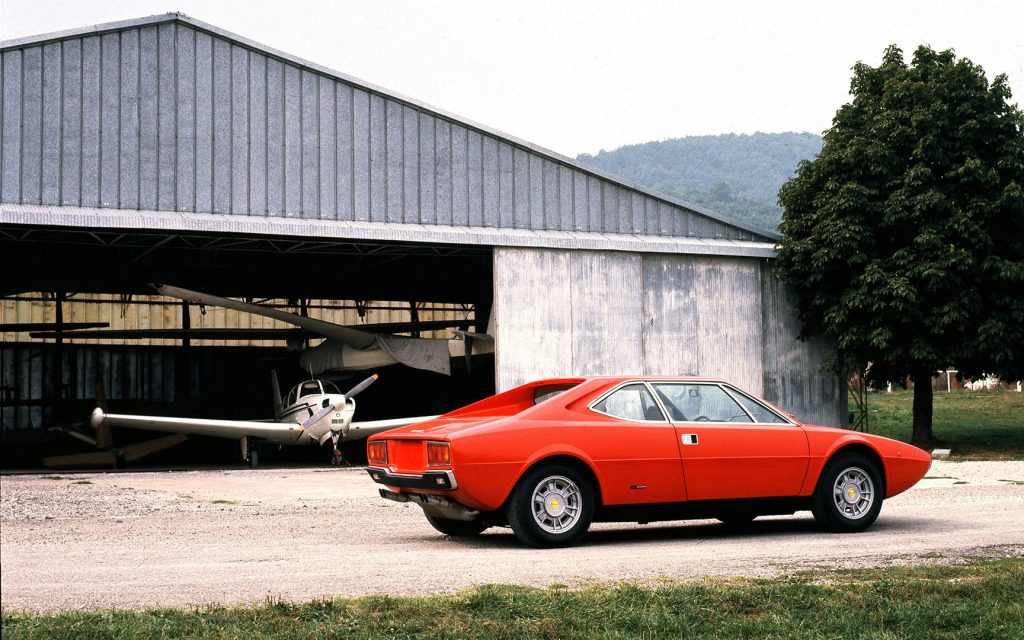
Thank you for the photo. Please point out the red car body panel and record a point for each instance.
(495, 441)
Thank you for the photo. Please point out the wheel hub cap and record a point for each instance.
(556, 504)
(853, 493)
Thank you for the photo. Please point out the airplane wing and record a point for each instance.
(354, 337)
(420, 353)
(233, 334)
(366, 428)
(280, 432)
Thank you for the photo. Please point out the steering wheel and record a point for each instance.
(702, 419)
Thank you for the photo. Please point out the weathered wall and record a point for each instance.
(168, 115)
(609, 313)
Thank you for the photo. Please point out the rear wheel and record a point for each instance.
(552, 506)
(458, 528)
(849, 493)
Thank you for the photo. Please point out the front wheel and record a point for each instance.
(458, 528)
(551, 506)
(849, 494)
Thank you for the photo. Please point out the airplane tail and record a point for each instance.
(276, 391)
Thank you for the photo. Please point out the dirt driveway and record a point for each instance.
(134, 540)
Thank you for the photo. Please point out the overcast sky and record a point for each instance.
(589, 75)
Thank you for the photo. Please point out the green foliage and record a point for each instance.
(735, 175)
(904, 237)
(979, 600)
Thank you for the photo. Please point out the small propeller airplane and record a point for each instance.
(314, 412)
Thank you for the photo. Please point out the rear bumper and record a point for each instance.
(431, 480)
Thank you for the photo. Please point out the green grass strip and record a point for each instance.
(979, 600)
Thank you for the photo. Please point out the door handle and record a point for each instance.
(689, 438)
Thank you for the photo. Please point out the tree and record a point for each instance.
(904, 238)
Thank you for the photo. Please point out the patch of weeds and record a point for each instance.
(960, 482)
(53, 478)
(938, 478)
(222, 501)
(82, 482)
(1012, 481)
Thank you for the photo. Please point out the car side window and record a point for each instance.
(700, 403)
(760, 412)
(631, 402)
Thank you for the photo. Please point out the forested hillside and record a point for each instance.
(735, 175)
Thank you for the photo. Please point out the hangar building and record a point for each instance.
(164, 149)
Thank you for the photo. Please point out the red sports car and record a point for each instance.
(551, 456)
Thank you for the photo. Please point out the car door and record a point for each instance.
(732, 451)
(633, 445)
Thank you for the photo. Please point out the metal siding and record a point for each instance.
(71, 129)
(185, 87)
(91, 122)
(550, 218)
(166, 105)
(378, 160)
(533, 330)
(110, 103)
(566, 199)
(222, 142)
(460, 179)
(395, 161)
(410, 166)
(240, 138)
(670, 335)
(162, 116)
(443, 169)
(343, 151)
(32, 125)
(258, 129)
(493, 182)
(521, 189)
(50, 132)
(536, 202)
(275, 138)
(204, 123)
(310, 136)
(361, 154)
(428, 194)
(293, 173)
(475, 178)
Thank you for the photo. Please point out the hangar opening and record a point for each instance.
(166, 150)
(84, 326)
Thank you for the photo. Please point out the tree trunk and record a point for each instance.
(922, 407)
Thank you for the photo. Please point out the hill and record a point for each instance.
(735, 175)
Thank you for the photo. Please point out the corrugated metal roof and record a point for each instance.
(536, 188)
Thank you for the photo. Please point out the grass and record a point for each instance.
(974, 424)
(984, 599)
(222, 501)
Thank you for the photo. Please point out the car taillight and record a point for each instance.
(439, 454)
(377, 452)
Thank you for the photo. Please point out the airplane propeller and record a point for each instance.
(336, 434)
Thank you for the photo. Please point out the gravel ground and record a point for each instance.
(194, 538)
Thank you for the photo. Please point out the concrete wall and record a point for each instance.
(609, 313)
(168, 115)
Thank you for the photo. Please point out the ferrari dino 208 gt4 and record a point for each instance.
(550, 457)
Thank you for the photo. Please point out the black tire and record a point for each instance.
(841, 499)
(562, 512)
(458, 528)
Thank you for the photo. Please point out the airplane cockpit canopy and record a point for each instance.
(313, 388)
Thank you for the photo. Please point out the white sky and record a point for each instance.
(595, 74)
